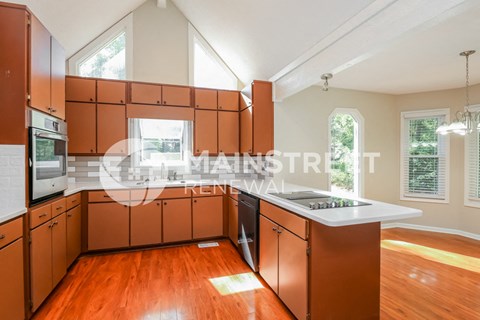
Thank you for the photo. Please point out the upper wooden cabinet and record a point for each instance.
(228, 132)
(228, 100)
(82, 127)
(146, 93)
(258, 125)
(111, 128)
(109, 91)
(176, 96)
(47, 71)
(205, 131)
(80, 89)
(206, 99)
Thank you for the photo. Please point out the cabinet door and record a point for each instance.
(233, 220)
(205, 131)
(207, 217)
(108, 225)
(246, 134)
(82, 127)
(146, 224)
(111, 128)
(57, 79)
(176, 96)
(41, 263)
(228, 132)
(262, 117)
(206, 99)
(293, 273)
(111, 91)
(268, 264)
(80, 89)
(39, 66)
(74, 234)
(228, 100)
(146, 93)
(59, 248)
(11, 278)
(177, 220)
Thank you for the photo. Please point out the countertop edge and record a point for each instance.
(12, 214)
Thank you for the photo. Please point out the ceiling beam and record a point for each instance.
(162, 4)
(358, 39)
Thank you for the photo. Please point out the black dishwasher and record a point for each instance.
(248, 226)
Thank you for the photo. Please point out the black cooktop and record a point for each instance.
(315, 201)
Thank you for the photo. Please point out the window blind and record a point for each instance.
(472, 166)
(424, 156)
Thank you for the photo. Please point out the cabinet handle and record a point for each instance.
(54, 110)
(106, 196)
(58, 208)
(42, 215)
(279, 231)
(69, 215)
(74, 200)
(2, 236)
(236, 205)
(274, 229)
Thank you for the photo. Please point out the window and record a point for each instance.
(161, 142)
(472, 166)
(346, 147)
(424, 153)
(206, 68)
(108, 56)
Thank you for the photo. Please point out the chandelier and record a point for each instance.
(467, 120)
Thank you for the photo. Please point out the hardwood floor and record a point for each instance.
(424, 276)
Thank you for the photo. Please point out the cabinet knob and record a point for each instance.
(164, 203)
(164, 102)
(274, 229)
(91, 150)
(158, 203)
(198, 150)
(58, 208)
(42, 215)
(91, 99)
(219, 107)
(54, 110)
(121, 101)
(69, 215)
(194, 201)
(221, 150)
(198, 106)
(158, 101)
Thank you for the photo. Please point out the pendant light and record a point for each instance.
(465, 121)
(326, 77)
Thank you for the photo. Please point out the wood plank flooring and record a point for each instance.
(424, 276)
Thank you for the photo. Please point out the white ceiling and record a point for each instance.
(75, 23)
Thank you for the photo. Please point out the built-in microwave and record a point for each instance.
(47, 156)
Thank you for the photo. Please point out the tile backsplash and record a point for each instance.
(12, 178)
(92, 168)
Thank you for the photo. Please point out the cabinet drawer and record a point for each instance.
(288, 220)
(111, 196)
(233, 193)
(167, 193)
(207, 191)
(10, 232)
(40, 215)
(59, 206)
(73, 200)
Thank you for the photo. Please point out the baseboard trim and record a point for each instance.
(431, 229)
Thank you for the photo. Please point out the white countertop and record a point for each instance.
(6, 215)
(334, 217)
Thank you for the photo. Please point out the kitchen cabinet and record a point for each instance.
(47, 258)
(82, 127)
(228, 100)
(176, 96)
(233, 220)
(205, 132)
(111, 92)
(145, 93)
(256, 125)
(206, 99)
(146, 224)
(74, 233)
(108, 225)
(177, 220)
(284, 256)
(11, 271)
(228, 132)
(80, 89)
(47, 71)
(111, 128)
(207, 217)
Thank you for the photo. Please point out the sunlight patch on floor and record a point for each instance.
(436, 255)
(236, 283)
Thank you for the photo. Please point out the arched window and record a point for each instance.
(345, 128)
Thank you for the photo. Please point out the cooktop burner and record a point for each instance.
(316, 201)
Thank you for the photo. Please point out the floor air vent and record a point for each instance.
(207, 245)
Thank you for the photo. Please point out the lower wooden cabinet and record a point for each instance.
(146, 224)
(284, 265)
(233, 220)
(47, 258)
(108, 225)
(74, 234)
(11, 271)
(177, 220)
(207, 217)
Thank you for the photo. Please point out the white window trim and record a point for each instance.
(360, 183)
(192, 34)
(126, 24)
(467, 201)
(417, 114)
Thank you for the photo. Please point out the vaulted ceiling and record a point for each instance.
(389, 46)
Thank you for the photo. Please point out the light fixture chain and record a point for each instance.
(467, 82)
